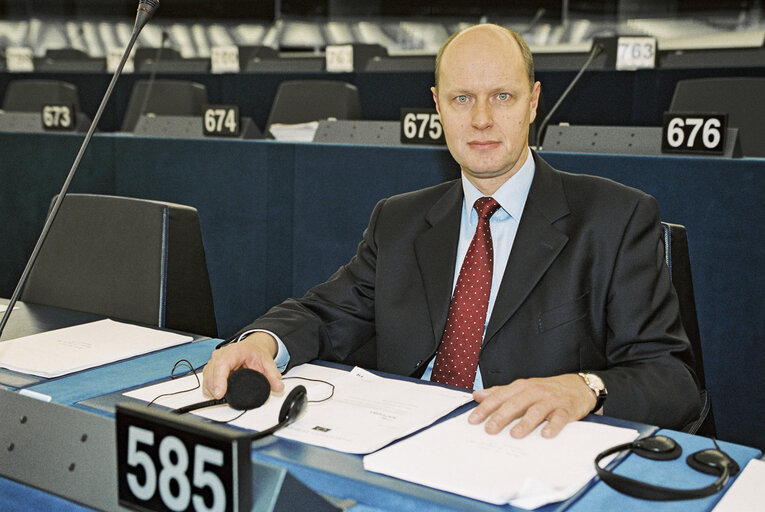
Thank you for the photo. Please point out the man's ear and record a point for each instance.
(435, 99)
(535, 92)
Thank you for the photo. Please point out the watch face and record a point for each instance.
(594, 381)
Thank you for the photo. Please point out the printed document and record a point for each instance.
(745, 495)
(461, 458)
(71, 349)
(362, 414)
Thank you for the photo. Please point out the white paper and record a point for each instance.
(71, 349)
(746, 494)
(365, 413)
(302, 132)
(458, 457)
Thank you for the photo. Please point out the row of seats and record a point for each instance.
(196, 39)
(174, 108)
(369, 57)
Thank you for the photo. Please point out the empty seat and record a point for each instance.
(32, 95)
(164, 97)
(302, 101)
(740, 98)
(129, 259)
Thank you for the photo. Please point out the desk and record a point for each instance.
(335, 474)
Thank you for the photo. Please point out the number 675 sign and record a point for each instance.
(421, 126)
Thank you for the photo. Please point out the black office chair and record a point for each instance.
(164, 98)
(129, 259)
(24, 101)
(302, 101)
(740, 98)
(677, 258)
(32, 95)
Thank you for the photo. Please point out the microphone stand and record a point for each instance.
(142, 17)
(596, 50)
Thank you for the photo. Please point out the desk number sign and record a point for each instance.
(421, 126)
(171, 463)
(635, 52)
(693, 133)
(221, 121)
(58, 117)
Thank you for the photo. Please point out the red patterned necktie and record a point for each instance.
(457, 357)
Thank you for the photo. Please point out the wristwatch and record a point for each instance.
(595, 383)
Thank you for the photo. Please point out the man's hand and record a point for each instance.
(255, 352)
(558, 400)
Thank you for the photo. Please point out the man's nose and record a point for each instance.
(482, 115)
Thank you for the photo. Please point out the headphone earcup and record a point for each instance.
(293, 405)
(657, 448)
(712, 462)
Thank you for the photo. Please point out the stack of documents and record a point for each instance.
(461, 458)
(362, 414)
(71, 349)
(303, 132)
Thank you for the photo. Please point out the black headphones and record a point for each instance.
(712, 461)
(292, 407)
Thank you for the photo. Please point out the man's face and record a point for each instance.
(486, 105)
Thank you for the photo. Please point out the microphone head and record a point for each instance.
(150, 6)
(247, 389)
(146, 9)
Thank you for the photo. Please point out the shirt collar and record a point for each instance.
(511, 196)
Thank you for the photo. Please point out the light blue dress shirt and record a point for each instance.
(511, 197)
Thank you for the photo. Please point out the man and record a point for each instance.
(580, 305)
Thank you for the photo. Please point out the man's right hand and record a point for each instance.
(255, 352)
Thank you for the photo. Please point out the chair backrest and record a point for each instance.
(302, 101)
(32, 95)
(164, 98)
(740, 98)
(130, 259)
(677, 258)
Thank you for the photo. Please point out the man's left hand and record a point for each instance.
(557, 400)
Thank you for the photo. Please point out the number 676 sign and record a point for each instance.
(693, 133)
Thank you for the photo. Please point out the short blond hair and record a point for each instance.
(528, 59)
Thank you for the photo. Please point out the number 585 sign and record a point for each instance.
(170, 463)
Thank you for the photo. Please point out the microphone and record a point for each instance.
(247, 389)
(596, 50)
(152, 76)
(146, 9)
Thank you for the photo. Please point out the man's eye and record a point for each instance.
(461, 99)
(503, 96)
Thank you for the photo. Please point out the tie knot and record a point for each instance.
(486, 207)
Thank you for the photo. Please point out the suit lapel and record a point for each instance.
(537, 244)
(436, 251)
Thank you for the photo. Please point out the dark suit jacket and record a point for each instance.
(585, 288)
